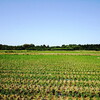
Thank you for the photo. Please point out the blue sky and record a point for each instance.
(50, 22)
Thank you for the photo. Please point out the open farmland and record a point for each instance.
(54, 75)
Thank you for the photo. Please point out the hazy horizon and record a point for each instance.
(49, 22)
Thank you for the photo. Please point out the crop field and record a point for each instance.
(54, 75)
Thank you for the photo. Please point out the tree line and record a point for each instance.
(47, 47)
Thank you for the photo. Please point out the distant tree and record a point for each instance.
(63, 46)
(0, 46)
(44, 47)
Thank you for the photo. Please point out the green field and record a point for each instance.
(49, 75)
(33, 51)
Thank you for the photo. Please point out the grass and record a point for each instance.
(33, 51)
(50, 77)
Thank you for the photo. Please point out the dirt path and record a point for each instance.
(89, 54)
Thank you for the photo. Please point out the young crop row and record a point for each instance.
(49, 77)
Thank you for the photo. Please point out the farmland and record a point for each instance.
(49, 75)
